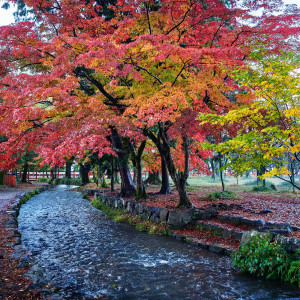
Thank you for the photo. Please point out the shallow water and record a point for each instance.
(85, 254)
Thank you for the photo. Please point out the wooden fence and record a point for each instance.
(34, 175)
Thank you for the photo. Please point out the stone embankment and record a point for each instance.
(14, 259)
(208, 219)
(12, 223)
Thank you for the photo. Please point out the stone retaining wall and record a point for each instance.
(176, 219)
(14, 209)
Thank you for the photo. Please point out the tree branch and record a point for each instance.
(144, 69)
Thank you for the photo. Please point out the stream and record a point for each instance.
(85, 255)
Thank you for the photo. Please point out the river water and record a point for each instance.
(85, 254)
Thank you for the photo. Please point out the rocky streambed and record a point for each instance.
(84, 254)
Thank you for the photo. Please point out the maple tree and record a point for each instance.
(149, 68)
(269, 138)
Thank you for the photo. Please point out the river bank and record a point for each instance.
(84, 254)
(13, 281)
(216, 225)
(69, 241)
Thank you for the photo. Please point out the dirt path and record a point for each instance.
(13, 283)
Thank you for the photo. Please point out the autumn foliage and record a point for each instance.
(93, 77)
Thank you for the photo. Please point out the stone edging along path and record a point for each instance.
(13, 210)
(228, 225)
(24, 258)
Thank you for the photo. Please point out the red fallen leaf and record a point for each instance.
(49, 287)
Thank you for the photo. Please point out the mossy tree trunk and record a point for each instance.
(221, 172)
(127, 185)
(25, 171)
(162, 143)
(260, 172)
(165, 182)
(140, 187)
(84, 173)
(153, 178)
(112, 178)
(68, 169)
(213, 169)
(53, 174)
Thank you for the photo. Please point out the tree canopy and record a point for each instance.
(138, 69)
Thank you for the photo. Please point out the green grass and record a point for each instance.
(261, 188)
(213, 231)
(46, 180)
(67, 181)
(123, 217)
(214, 196)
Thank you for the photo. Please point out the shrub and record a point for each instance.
(261, 188)
(261, 257)
(293, 275)
(67, 181)
(221, 195)
(143, 226)
(189, 240)
(250, 182)
(96, 202)
(31, 193)
(46, 180)
(123, 218)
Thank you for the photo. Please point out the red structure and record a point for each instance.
(10, 180)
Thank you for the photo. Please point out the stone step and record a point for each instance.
(224, 230)
(217, 247)
(238, 220)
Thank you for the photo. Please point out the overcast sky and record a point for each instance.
(6, 16)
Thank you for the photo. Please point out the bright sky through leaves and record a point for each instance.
(6, 15)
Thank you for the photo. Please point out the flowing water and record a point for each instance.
(86, 254)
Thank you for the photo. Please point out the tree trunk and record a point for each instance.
(140, 187)
(260, 172)
(2, 178)
(135, 174)
(112, 179)
(165, 182)
(292, 177)
(221, 172)
(53, 174)
(153, 178)
(213, 175)
(84, 173)
(25, 171)
(68, 169)
(179, 178)
(184, 201)
(117, 177)
(127, 185)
